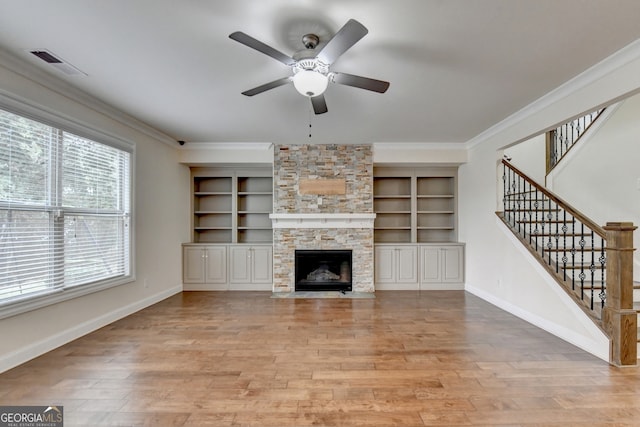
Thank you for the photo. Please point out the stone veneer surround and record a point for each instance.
(354, 164)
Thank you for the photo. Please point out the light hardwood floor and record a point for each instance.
(402, 359)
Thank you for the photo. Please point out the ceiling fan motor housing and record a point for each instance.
(311, 64)
(310, 41)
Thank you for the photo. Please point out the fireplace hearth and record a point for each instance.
(323, 270)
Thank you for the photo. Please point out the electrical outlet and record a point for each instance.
(146, 283)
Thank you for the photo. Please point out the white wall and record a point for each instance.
(161, 224)
(602, 178)
(530, 157)
(492, 268)
(419, 153)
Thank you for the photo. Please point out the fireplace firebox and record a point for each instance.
(323, 270)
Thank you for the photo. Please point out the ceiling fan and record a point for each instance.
(311, 69)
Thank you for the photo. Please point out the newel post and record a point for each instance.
(619, 318)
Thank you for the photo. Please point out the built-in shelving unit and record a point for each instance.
(232, 206)
(435, 209)
(392, 203)
(415, 230)
(212, 209)
(254, 203)
(415, 205)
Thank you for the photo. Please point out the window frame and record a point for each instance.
(65, 123)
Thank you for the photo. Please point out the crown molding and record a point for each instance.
(31, 72)
(614, 62)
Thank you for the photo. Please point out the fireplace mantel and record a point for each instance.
(323, 220)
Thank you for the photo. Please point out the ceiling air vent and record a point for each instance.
(56, 62)
(46, 56)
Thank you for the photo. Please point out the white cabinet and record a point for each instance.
(422, 266)
(396, 267)
(204, 267)
(250, 267)
(442, 266)
(227, 267)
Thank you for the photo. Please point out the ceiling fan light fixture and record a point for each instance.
(310, 83)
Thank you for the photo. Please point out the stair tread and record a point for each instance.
(559, 234)
(532, 210)
(526, 199)
(543, 221)
(580, 267)
(568, 249)
(636, 305)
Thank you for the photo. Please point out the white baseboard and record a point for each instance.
(205, 287)
(396, 287)
(36, 349)
(419, 287)
(228, 287)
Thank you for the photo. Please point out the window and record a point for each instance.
(64, 212)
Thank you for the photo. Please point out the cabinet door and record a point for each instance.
(384, 264)
(193, 259)
(216, 264)
(452, 264)
(430, 264)
(240, 271)
(261, 264)
(407, 264)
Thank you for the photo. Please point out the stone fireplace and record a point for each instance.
(323, 200)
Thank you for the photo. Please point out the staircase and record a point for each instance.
(570, 245)
(573, 249)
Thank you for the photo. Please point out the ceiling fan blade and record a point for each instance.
(374, 85)
(249, 41)
(267, 86)
(348, 35)
(319, 104)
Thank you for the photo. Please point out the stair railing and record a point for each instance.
(561, 139)
(570, 245)
(576, 252)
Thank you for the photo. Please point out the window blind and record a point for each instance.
(95, 204)
(64, 210)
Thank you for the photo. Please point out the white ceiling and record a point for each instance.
(456, 67)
